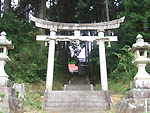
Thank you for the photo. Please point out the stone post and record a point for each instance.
(102, 56)
(4, 46)
(50, 67)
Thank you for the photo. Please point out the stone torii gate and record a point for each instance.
(53, 38)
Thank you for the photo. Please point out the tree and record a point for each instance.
(0, 6)
(42, 12)
(7, 5)
(107, 10)
(137, 20)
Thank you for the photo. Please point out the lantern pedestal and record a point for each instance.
(4, 81)
(142, 78)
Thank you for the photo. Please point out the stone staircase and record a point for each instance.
(76, 98)
(76, 101)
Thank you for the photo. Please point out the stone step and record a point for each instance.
(77, 104)
(72, 99)
(80, 81)
(76, 109)
(98, 93)
(78, 87)
(75, 96)
(76, 99)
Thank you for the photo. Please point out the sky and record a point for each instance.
(15, 2)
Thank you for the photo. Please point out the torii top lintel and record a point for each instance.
(74, 26)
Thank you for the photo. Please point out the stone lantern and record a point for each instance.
(142, 78)
(5, 45)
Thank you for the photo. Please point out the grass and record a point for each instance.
(34, 95)
(116, 88)
(2, 95)
(35, 92)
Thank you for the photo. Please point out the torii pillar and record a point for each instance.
(50, 66)
(102, 59)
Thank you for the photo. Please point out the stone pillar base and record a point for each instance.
(135, 101)
(138, 93)
(131, 106)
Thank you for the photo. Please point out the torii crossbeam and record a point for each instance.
(53, 38)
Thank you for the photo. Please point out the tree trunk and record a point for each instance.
(19, 1)
(66, 7)
(0, 6)
(107, 10)
(7, 5)
(42, 13)
(63, 55)
(107, 14)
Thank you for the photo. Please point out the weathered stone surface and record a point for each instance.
(78, 84)
(129, 106)
(20, 89)
(75, 26)
(138, 93)
(9, 103)
(135, 101)
(16, 105)
(122, 106)
(141, 84)
(76, 101)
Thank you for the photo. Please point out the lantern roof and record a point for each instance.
(5, 42)
(140, 44)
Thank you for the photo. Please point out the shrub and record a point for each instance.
(125, 70)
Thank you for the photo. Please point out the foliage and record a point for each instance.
(137, 20)
(29, 58)
(93, 66)
(27, 64)
(125, 70)
(2, 95)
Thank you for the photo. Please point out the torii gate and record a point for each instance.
(53, 38)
